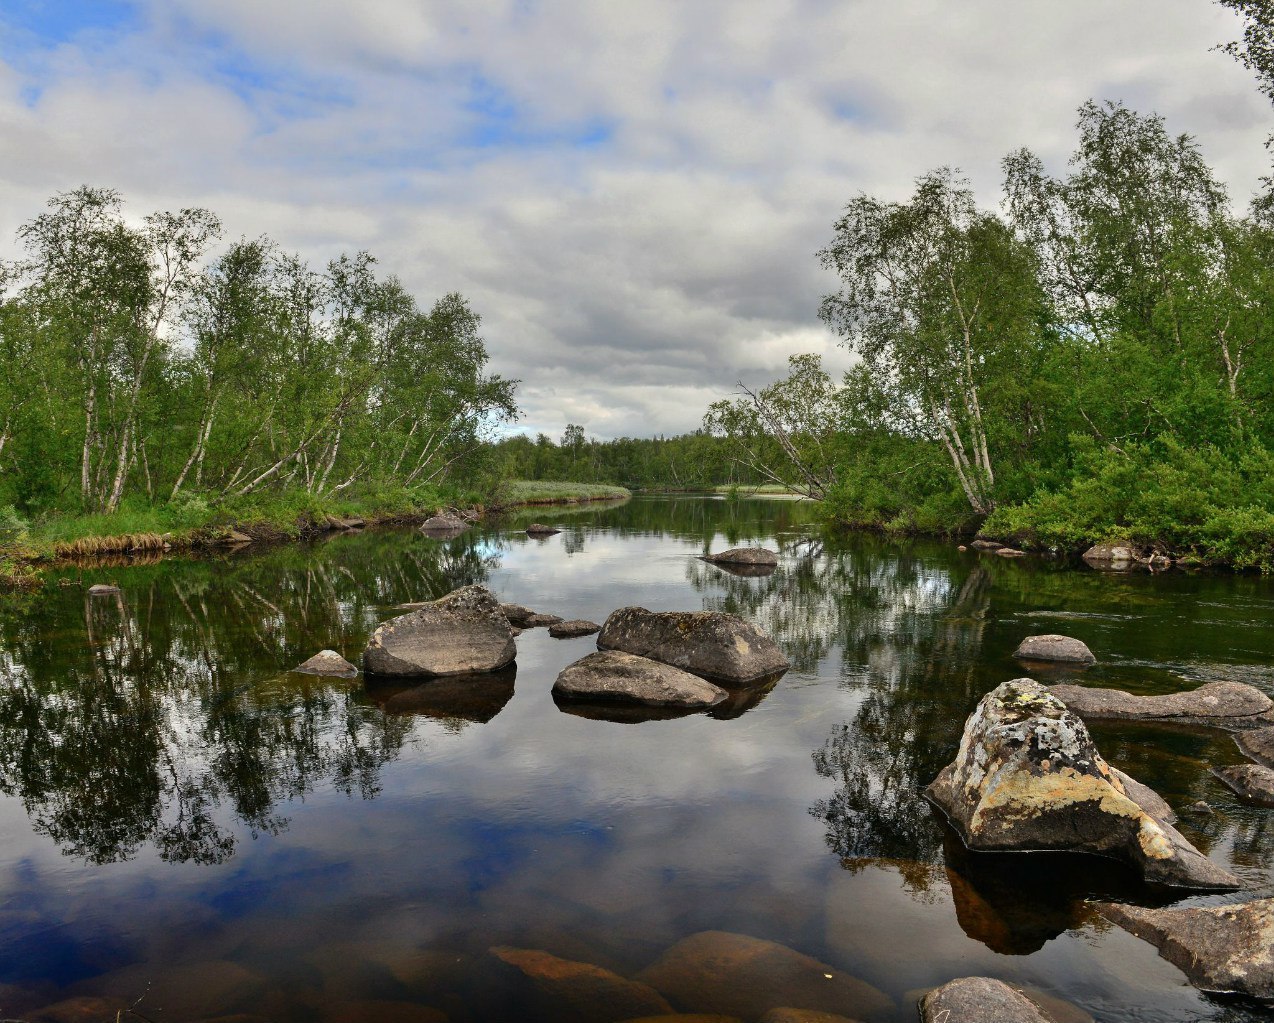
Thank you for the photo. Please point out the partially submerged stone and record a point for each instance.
(103, 590)
(326, 662)
(1230, 705)
(540, 529)
(1258, 744)
(986, 545)
(743, 556)
(523, 617)
(443, 524)
(1223, 949)
(710, 644)
(979, 1000)
(573, 629)
(1052, 647)
(1252, 782)
(613, 675)
(1009, 552)
(461, 633)
(235, 538)
(1028, 777)
(738, 975)
(1117, 556)
(569, 990)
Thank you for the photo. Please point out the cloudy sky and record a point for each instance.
(630, 193)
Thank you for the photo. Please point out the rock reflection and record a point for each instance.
(168, 717)
(456, 700)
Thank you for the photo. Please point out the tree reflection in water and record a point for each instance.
(170, 717)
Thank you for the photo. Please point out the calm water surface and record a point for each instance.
(183, 821)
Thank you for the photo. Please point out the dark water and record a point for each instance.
(184, 822)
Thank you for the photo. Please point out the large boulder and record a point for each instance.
(613, 675)
(445, 523)
(462, 633)
(1052, 647)
(1251, 782)
(744, 556)
(1225, 949)
(1230, 705)
(1028, 777)
(327, 662)
(710, 644)
(568, 990)
(979, 1000)
(1258, 744)
(737, 975)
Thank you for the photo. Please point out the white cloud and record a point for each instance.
(630, 279)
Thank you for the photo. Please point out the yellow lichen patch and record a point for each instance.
(742, 645)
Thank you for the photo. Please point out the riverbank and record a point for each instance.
(194, 524)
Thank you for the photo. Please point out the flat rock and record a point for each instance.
(1009, 552)
(738, 975)
(1228, 949)
(744, 556)
(523, 617)
(462, 633)
(1252, 782)
(1258, 744)
(569, 990)
(614, 675)
(540, 529)
(327, 662)
(102, 590)
(1231, 705)
(1028, 777)
(573, 628)
(1052, 647)
(986, 545)
(979, 1000)
(710, 644)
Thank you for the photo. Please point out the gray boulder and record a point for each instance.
(1028, 777)
(103, 590)
(1229, 705)
(979, 1000)
(1258, 744)
(1224, 949)
(1052, 647)
(1250, 781)
(443, 524)
(710, 644)
(464, 632)
(743, 556)
(327, 662)
(986, 545)
(540, 529)
(1115, 556)
(573, 629)
(523, 617)
(612, 675)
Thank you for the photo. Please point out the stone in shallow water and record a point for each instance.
(710, 644)
(1252, 782)
(744, 556)
(1028, 777)
(1052, 647)
(462, 633)
(444, 524)
(979, 1000)
(573, 629)
(1227, 949)
(102, 590)
(523, 617)
(567, 990)
(377, 1010)
(1232, 705)
(612, 675)
(1259, 745)
(181, 991)
(326, 662)
(540, 529)
(83, 1009)
(786, 1015)
(738, 975)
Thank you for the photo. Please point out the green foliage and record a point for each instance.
(13, 527)
(546, 491)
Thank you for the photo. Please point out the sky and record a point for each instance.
(632, 195)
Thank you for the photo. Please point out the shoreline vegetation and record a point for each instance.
(286, 517)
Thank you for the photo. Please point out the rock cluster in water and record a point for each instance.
(612, 675)
(710, 644)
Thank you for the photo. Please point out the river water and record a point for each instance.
(189, 828)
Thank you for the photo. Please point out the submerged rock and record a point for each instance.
(326, 662)
(743, 556)
(382, 1011)
(568, 990)
(573, 629)
(1052, 647)
(540, 529)
(613, 675)
(787, 1015)
(524, 618)
(1258, 744)
(706, 643)
(1231, 705)
(462, 633)
(979, 1000)
(1251, 781)
(737, 975)
(1028, 777)
(1227, 949)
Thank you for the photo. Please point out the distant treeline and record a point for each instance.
(142, 362)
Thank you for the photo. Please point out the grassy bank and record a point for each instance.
(193, 522)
